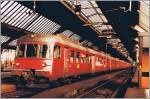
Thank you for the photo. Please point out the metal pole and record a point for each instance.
(130, 5)
(140, 60)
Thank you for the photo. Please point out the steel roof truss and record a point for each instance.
(49, 24)
(27, 20)
(98, 14)
(6, 7)
(44, 26)
(8, 17)
(94, 3)
(67, 33)
(30, 21)
(22, 14)
(52, 26)
(38, 26)
(49, 29)
(8, 11)
(17, 15)
(55, 28)
(4, 39)
(91, 15)
(14, 14)
(3, 4)
(23, 18)
(31, 26)
(88, 12)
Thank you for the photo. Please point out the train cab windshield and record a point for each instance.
(34, 50)
(31, 50)
(21, 50)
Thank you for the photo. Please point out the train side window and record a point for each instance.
(78, 57)
(72, 56)
(43, 51)
(98, 61)
(57, 52)
(82, 58)
(21, 50)
(87, 58)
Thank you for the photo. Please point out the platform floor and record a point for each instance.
(134, 91)
(6, 88)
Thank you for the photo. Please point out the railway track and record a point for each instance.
(80, 92)
(105, 88)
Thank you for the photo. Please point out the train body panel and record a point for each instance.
(55, 56)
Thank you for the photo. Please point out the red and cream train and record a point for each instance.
(55, 56)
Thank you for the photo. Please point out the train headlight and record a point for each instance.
(17, 64)
(43, 64)
(13, 63)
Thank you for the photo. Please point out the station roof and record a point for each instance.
(93, 23)
(143, 26)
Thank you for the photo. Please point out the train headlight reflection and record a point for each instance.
(17, 64)
(43, 64)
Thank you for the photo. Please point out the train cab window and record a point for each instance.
(43, 51)
(21, 50)
(72, 56)
(57, 52)
(78, 57)
(31, 50)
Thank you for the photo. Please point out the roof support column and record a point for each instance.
(140, 61)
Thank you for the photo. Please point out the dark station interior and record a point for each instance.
(75, 49)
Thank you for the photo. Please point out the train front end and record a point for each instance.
(33, 59)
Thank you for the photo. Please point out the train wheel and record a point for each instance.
(21, 82)
(69, 81)
(74, 79)
(54, 84)
(39, 79)
(61, 81)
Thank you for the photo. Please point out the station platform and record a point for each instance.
(6, 88)
(134, 91)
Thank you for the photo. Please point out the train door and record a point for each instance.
(57, 62)
(66, 60)
(71, 66)
(93, 63)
